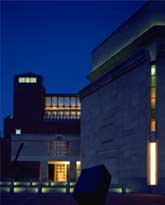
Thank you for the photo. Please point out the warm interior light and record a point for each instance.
(153, 92)
(61, 108)
(60, 170)
(152, 163)
(153, 125)
(78, 162)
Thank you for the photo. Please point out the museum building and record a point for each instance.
(44, 132)
(123, 108)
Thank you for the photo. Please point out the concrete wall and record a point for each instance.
(160, 115)
(36, 149)
(115, 122)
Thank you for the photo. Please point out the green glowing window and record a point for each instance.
(27, 80)
(33, 80)
(21, 80)
(153, 69)
(153, 80)
(153, 113)
(18, 131)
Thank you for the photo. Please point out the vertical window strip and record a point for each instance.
(152, 154)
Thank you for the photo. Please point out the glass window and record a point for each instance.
(153, 103)
(153, 92)
(152, 168)
(21, 80)
(73, 115)
(54, 101)
(48, 101)
(153, 125)
(66, 102)
(27, 80)
(60, 101)
(33, 80)
(153, 69)
(153, 80)
(57, 148)
(73, 101)
(78, 102)
(78, 115)
(18, 131)
(78, 169)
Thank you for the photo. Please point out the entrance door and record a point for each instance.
(58, 171)
(51, 172)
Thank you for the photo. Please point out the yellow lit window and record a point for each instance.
(153, 103)
(78, 168)
(153, 125)
(60, 170)
(153, 92)
(152, 163)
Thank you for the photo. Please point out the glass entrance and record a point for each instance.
(58, 171)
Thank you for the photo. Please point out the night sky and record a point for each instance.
(54, 39)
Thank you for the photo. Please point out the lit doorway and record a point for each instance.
(58, 171)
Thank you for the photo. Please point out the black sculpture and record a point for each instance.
(92, 186)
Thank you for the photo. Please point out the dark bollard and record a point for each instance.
(92, 186)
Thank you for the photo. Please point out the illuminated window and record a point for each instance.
(73, 115)
(61, 171)
(48, 101)
(78, 169)
(66, 102)
(153, 103)
(21, 80)
(153, 125)
(54, 101)
(153, 92)
(33, 80)
(60, 101)
(152, 163)
(27, 80)
(78, 102)
(73, 101)
(153, 80)
(153, 69)
(18, 131)
(78, 115)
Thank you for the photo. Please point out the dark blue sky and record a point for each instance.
(55, 39)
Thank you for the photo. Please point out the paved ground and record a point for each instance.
(67, 199)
